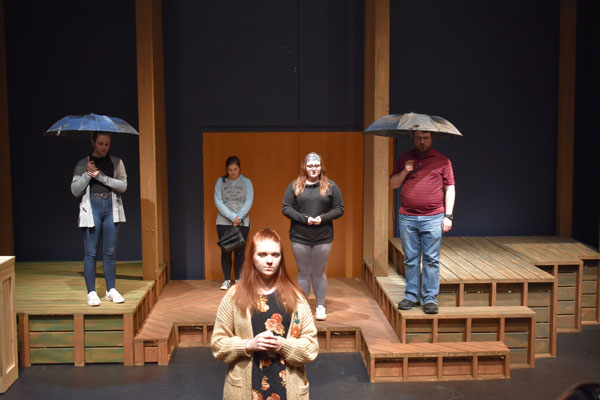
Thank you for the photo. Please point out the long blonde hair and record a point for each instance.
(300, 182)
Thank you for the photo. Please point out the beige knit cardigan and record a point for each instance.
(233, 328)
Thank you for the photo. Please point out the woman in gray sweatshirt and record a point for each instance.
(311, 202)
(233, 197)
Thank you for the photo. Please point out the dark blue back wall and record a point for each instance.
(67, 57)
(251, 66)
(586, 206)
(491, 69)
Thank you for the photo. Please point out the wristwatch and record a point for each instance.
(449, 216)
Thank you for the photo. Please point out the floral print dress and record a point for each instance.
(268, 368)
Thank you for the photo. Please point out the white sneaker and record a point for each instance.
(226, 284)
(92, 299)
(114, 296)
(321, 313)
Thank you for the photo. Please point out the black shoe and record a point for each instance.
(406, 304)
(430, 308)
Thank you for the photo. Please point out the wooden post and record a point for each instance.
(153, 143)
(566, 118)
(79, 340)
(9, 365)
(24, 353)
(128, 334)
(7, 241)
(376, 156)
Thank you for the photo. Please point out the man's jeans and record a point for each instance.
(104, 228)
(421, 236)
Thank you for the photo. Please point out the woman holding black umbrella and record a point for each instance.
(99, 179)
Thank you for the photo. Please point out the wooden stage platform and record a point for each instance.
(502, 301)
(186, 311)
(55, 324)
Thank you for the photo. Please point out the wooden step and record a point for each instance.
(439, 362)
(515, 326)
(576, 268)
(475, 271)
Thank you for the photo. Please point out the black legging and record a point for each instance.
(226, 255)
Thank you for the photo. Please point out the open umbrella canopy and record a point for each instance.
(405, 124)
(76, 125)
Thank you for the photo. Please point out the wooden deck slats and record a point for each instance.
(463, 260)
(571, 263)
(479, 260)
(559, 278)
(56, 325)
(355, 323)
(504, 279)
(511, 266)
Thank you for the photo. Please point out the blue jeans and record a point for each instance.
(421, 239)
(104, 228)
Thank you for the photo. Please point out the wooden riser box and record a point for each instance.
(568, 314)
(56, 340)
(590, 302)
(539, 299)
(443, 366)
(515, 334)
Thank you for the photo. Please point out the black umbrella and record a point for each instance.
(396, 125)
(76, 125)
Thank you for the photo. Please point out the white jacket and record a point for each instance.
(80, 185)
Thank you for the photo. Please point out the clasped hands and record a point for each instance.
(92, 170)
(264, 341)
(314, 220)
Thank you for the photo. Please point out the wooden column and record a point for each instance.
(376, 156)
(7, 243)
(566, 118)
(9, 367)
(153, 143)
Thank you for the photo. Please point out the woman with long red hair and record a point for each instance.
(264, 328)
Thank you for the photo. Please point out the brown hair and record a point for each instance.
(298, 186)
(231, 160)
(246, 294)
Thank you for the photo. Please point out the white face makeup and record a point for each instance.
(267, 257)
(313, 171)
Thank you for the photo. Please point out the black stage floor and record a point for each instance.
(194, 374)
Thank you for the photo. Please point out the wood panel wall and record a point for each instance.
(272, 160)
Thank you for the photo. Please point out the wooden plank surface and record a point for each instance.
(547, 250)
(472, 312)
(58, 288)
(481, 260)
(179, 305)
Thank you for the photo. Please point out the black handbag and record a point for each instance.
(231, 239)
